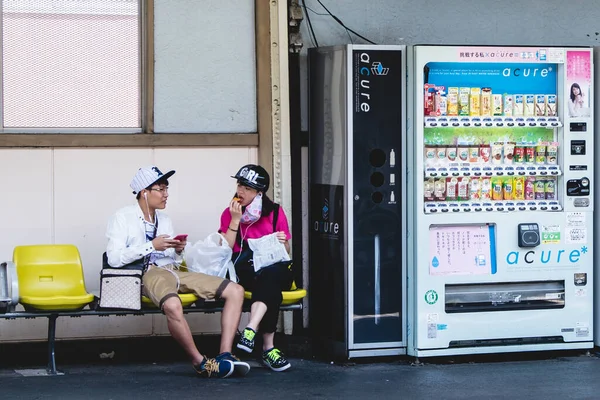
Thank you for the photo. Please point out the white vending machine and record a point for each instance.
(500, 237)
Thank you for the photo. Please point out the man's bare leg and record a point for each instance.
(180, 330)
(230, 317)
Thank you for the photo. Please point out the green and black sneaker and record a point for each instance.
(274, 359)
(246, 342)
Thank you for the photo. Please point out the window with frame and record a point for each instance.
(71, 66)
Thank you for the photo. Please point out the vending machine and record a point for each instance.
(501, 228)
(357, 170)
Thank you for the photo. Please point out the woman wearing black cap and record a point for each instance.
(252, 215)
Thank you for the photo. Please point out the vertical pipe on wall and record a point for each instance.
(296, 143)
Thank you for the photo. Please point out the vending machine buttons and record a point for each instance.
(577, 147)
(529, 235)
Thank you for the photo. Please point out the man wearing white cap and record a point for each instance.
(141, 235)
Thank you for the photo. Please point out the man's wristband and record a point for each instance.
(231, 229)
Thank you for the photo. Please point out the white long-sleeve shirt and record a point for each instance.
(127, 240)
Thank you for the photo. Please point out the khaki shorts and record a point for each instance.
(160, 284)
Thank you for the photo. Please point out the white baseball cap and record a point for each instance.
(146, 177)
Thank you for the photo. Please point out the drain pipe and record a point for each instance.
(296, 142)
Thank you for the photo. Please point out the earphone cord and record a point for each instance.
(148, 208)
(155, 232)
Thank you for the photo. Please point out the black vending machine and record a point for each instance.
(357, 207)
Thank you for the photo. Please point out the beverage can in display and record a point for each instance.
(463, 189)
(519, 187)
(497, 192)
(475, 102)
(430, 156)
(486, 102)
(509, 102)
(509, 149)
(497, 153)
(441, 156)
(519, 157)
(442, 104)
(463, 153)
(539, 188)
(451, 154)
(452, 101)
(463, 100)
(529, 154)
(474, 154)
(540, 153)
(519, 105)
(451, 189)
(486, 188)
(550, 189)
(475, 189)
(497, 106)
(507, 188)
(484, 153)
(551, 105)
(428, 189)
(552, 153)
(540, 105)
(439, 189)
(530, 188)
(529, 107)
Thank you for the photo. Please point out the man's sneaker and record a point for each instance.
(246, 342)
(240, 367)
(213, 368)
(275, 360)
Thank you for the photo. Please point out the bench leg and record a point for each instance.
(51, 341)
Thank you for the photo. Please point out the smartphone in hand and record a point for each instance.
(181, 237)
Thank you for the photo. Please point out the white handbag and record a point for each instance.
(121, 289)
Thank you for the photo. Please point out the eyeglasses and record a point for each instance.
(161, 190)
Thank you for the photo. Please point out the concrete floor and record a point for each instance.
(557, 375)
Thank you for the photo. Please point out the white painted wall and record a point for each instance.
(67, 196)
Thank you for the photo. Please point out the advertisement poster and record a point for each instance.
(578, 83)
(462, 250)
(499, 77)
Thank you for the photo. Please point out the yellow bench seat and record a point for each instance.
(289, 296)
(57, 303)
(187, 299)
(51, 277)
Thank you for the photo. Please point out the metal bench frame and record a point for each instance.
(198, 307)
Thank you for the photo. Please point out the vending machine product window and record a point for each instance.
(489, 137)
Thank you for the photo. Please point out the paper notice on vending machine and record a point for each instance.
(576, 229)
(462, 249)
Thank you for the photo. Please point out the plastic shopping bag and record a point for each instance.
(211, 256)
